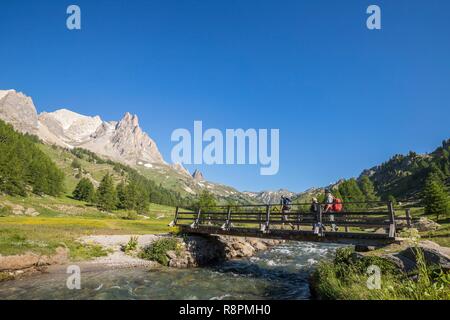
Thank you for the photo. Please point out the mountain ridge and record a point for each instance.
(123, 141)
(269, 196)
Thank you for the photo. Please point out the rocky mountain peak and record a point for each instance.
(129, 120)
(126, 141)
(197, 175)
(18, 110)
(71, 127)
(123, 141)
(4, 93)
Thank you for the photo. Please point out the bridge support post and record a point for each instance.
(267, 224)
(408, 217)
(175, 220)
(197, 220)
(260, 219)
(176, 216)
(228, 225)
(391, 219)
(320, 220)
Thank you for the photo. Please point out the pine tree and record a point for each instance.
(84, 191)
(106, 194)
(205, 200)
(368, 189)
(24, 165)
(436, 171)
(131, 196)
(121, 195)
(142, 201)
(435, 196)
(392, 199)
(76, 164)
(350, 193)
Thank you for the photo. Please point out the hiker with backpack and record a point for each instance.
(314, 208)
(318, 227)
(332, 205)
(285, 209)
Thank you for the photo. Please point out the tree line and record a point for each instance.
(24, 167)
(153, 192)
(108, 197)
(130, 194)
(434, 195)
(355, 193)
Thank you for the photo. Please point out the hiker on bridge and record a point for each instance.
(286, 209)
(314, 208)
(329, 207)
(318, 227)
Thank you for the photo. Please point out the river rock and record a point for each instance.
(363, 248)
(197, 251)
(434, 255)
(171, 254)
(245, 250)
(425, 224)
(19, 210)
(31, 212)
(260, 246)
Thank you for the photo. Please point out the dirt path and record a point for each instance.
(117, 258)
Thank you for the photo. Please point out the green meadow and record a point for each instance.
(61, 221)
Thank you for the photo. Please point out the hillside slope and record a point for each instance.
(403, 176)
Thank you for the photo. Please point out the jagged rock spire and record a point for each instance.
(198, 176)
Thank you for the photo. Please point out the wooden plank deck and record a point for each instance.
(266, 221)
(351, 238)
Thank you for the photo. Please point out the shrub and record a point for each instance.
(76, 164)
(157, 251)
(343, 255)
(131, 215)
(131, 245)
(5, 211)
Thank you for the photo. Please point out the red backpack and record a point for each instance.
(337, 205)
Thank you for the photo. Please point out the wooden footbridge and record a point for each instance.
(368, 223)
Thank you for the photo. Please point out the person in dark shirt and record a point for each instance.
(285, 209)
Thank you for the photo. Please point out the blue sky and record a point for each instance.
(344, 98)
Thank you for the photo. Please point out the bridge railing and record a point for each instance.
(369, 217)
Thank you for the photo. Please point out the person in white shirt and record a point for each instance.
(329, 200)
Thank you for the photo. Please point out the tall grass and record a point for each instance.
(346, 279)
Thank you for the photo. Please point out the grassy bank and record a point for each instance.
(440, 236)
(346, 278)
(61, 221)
